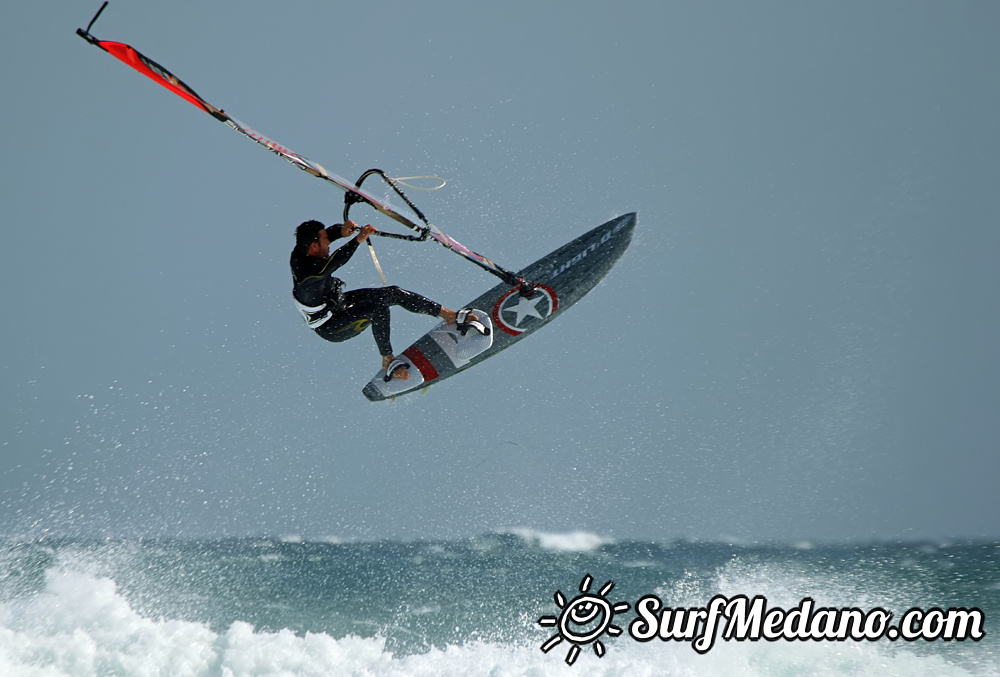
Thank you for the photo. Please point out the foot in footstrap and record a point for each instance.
(392, 367)
(466, 321)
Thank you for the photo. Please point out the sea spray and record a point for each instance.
(255, 607)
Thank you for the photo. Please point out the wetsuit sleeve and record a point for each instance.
(342, 255)
(339, 257)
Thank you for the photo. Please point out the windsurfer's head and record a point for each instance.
(307, 233)
(314, 239)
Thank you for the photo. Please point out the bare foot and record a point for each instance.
(401, 373)
(448, 315)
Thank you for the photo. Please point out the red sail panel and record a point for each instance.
(156, 72)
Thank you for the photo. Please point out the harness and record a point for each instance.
(314, 316)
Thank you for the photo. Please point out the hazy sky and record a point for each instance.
(801, 343)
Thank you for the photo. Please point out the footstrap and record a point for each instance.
(393, 366)
(466, 320)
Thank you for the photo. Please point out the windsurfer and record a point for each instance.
(338, 315)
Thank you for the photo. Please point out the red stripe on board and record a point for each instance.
(419, 361)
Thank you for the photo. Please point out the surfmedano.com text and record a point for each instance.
(741, 619)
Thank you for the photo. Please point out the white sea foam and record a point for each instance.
(81, 626)
(574, 541)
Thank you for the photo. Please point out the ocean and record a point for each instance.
(474, 606)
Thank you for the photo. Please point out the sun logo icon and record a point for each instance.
(583, 620)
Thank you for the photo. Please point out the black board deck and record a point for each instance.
(563, 278)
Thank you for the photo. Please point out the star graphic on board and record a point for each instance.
(525, 307)
(519, 306)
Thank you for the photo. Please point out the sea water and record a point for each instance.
(255, 607)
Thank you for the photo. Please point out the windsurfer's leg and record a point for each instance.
(375, 302)
(396, 296)
(410, 301)
(348, 323)
(380, 329)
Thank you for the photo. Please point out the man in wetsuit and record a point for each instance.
(337, 315)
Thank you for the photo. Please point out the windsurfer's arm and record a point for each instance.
(342, 255)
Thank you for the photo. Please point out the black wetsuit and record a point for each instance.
(348, 313)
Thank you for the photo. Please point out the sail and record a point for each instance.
(151, 69)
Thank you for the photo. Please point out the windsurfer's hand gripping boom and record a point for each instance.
(362, 233)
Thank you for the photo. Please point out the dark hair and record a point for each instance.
(307, 233)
